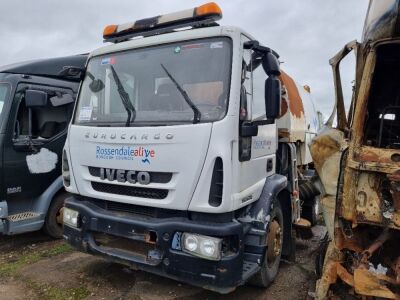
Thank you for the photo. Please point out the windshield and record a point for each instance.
(170, 84)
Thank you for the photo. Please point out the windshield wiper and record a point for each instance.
(196, 111)
(126, 101)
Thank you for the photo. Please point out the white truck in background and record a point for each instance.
(184, 153)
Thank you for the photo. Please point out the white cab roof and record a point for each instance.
(172, 37)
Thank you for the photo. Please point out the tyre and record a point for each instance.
(310, 211)
(320, 257)
(53, 225)
(266, 275)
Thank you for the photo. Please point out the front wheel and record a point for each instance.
(269, 269)
(53, 225)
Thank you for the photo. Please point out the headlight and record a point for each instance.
(71, 217)
(203, 246)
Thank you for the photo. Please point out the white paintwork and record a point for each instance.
(43, 162)
(183, 156)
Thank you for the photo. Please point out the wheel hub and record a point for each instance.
(274, 241)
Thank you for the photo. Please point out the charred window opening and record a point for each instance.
(383, 111)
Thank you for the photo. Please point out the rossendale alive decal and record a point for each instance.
(125, 153)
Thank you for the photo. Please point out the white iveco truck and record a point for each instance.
(173, 156)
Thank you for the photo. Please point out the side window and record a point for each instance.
(46, 122)
(253, 88)
(246, 93)
(4, 89)
(258, 83)
(382, 126)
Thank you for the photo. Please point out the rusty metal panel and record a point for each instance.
(291, 123)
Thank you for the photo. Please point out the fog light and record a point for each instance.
(71, 217)
(202, 246)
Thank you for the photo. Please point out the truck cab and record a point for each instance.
(358, 161)
(171, 156)
(36, 104)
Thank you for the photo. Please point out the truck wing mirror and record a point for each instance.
(272, 98)
(35, 98)
(270, 64)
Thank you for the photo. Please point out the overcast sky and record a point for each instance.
(306, 33)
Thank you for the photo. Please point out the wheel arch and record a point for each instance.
(289, 246)
(44, 201)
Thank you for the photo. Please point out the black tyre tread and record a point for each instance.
(51, 227)
(308, 213)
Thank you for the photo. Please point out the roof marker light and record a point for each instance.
(199, 16)
(208, 9)
(109, 30)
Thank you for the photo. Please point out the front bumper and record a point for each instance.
(222, 276)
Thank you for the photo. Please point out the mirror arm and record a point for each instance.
(72, 71)
(255, 46)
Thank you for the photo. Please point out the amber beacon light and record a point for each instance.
(199, 16)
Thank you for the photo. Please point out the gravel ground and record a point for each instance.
(34, 267)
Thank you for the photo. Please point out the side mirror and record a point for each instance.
(272, 98)
(270, 64)
(35, 98)
(273, 95)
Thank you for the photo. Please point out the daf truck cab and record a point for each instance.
(172, 156)
(36, 104)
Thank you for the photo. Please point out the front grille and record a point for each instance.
(130, 191)
(126, 208)
(145, 211)
(155, 177)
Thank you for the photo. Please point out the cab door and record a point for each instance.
(256, 153)
(33, 143)
(5, 91)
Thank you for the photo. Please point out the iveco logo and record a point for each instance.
(123, 176)
(132, 137)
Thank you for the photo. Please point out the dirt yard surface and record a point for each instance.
(34, 267)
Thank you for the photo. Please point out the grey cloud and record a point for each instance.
(305, 33)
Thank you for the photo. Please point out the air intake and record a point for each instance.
(217, 185)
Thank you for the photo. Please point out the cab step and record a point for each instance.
(249, 269)
(22, 216)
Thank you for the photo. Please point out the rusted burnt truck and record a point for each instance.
(358, 161)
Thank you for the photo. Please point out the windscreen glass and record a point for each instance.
(162, 85)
